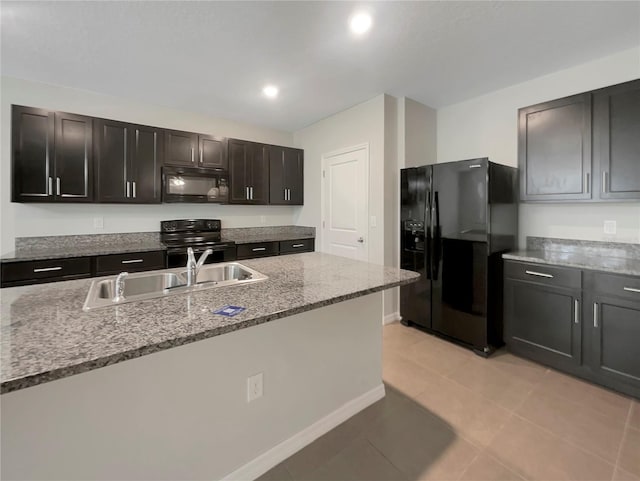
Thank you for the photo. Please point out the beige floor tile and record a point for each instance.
(474, 417)
(397, 336)
(357, 462)
(634, 420)
(523, 369)
(321, 450)
(575, 422)
(630, 452)
(404, 375)
(437, 355)
(278, 473)
(392, 402)
(622, 475)
(421, 445)
(598, 398)
(505, 389)
(539, 455)
(487, 468)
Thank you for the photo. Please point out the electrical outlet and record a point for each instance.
(254, 387)
(374, 221)
(610, 227)
(98, 223)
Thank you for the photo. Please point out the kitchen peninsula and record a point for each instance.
(126, 392)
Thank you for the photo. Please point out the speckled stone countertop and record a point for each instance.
(248, 235)
(60, 247)
(47, 336)
(617, 258)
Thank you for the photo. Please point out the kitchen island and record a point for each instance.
(72, 408)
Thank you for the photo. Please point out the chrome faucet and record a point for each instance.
(193, 267)
(119, 295)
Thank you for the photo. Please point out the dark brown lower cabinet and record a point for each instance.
(592, 332)
(50, 270)
(130, 262)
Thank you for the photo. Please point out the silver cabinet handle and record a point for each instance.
(475, 166)
(604, 182)
(285, 194)
(251, 192)
(595, 314)
(201, 157)
(297, 245)
(50, 189)
(48, 269)
(133, 184)
(539, 274)
(193, 160)
(361, 239)
(257, 249)
(57, 185)
(128, 189)
(576, 311)
(246, 192)
(586, 183)
(631, 289)
(288, 194)
(131, 261)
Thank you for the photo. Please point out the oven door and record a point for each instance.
(194, 185)
(177, 256)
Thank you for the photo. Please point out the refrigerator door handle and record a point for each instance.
(435, 224)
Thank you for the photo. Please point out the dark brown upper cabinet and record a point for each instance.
(248, 172)
(52, 156)
(128, 161)
(616, 141)
(286, 175)
(554, 150)
(187, 149)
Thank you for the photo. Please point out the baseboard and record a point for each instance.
(389, 318)
(274, 456)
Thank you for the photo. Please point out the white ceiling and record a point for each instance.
(215, 57)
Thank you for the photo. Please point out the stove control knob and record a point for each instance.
(172, 226)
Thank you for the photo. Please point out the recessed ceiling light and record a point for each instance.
(360, 23)
(270, 91)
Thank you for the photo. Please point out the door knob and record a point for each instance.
(361, 239)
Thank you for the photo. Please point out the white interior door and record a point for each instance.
(345, 202)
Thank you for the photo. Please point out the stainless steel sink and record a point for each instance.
(154, 284)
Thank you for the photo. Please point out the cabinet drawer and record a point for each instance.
(299, 245)
(130, 262)
(544, 274)
(258, 249)
(626, 287)
(33, 272)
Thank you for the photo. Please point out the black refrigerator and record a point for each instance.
(457, 218)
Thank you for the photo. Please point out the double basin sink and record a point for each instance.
(154, 284)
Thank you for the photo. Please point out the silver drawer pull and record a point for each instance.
(297, 245)
(475, 166)
(256, 249)
(595, 314)
(48, 269)
(631, 289)
(576, 311)
(131, 261)
(539, 274)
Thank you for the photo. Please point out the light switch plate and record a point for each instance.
(254, 387)
(374, 221)
(610, 227)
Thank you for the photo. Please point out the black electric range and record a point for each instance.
(200, 235)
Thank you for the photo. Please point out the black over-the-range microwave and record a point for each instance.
(191, 184)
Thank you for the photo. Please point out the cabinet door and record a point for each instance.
(33, 143)
(239, 158)
(277, 187)
(73, 177)
(146, 153)
(615, 333)
(543, 322)
(212, 152)
(180, 148)
(554, 150)
(259, 178)
(294, 175)
(112, 163)
(616, 141)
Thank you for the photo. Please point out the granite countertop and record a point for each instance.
(580, 260)
(47, 336)
(64, 251)
(249, 239)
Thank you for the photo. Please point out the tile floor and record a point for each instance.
(451, 415)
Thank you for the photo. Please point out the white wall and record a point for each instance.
(486, 126)
(392, 201)
(183, 414)
(18, 220)
(417, 134)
